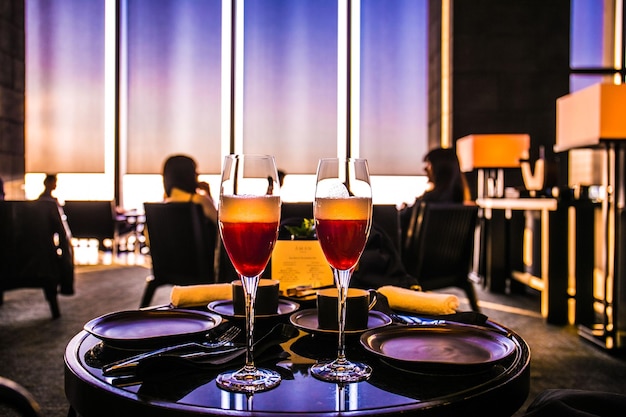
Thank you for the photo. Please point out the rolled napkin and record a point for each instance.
(420, 302)
(199, 295)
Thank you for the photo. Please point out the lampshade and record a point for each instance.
(492, 150)
(590, 115)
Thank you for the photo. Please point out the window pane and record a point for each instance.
(290, 81)
(587, 32)
(580, 81)
(64, 86)
(394, 127)
(174, 83)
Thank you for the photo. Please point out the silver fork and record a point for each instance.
(228, 336)
(223, 340)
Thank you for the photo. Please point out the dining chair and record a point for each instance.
(439, 247)
(35, 251)
(18, 398)
(93, 219)
(387, 218)
(182, 243)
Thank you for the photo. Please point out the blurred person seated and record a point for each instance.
(180, 180)
(381, 262)
(446, 183)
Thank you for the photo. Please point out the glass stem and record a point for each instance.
(250, 285)
(342, 279)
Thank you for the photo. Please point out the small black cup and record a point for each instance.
(358, 304)
(266, 303)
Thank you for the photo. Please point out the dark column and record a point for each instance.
(509, 64)
(12, 80)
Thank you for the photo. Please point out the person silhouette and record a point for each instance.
(180, 180)
(50, 184)
(270, 181)
(447, 183)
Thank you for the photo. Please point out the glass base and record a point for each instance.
(341, 370)
(248, 381)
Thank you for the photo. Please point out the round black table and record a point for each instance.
(496, 390)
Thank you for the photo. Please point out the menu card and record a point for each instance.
(300, 262)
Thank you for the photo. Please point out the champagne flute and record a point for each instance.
(343, 216)
(249, 214)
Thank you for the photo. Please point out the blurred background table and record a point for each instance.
(518, 249)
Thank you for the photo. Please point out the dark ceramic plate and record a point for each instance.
(225, 309)
(450, 345)
(307, 320)
(139, 329)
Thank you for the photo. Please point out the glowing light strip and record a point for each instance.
(355, 79)
(446, 140)
(225, 76)
(109, 89)
(123, 92)
(239, 66)
(617, 33)
(227, 60)
(342, 73)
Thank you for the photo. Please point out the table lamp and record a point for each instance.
(590, 117)
(490, 154)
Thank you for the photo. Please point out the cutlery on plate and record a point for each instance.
(223, 338)
(220, 345)
(156, 364)
(129, 366)
(404, 319)
(162, 366)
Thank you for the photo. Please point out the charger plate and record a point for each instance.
(226, 309)
(445, 346)
(139, 329)
(307, 320)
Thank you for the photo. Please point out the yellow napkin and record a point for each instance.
(420, 302)
(199, 295)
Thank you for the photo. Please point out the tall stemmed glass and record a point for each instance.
(249, 214)
(343, 214)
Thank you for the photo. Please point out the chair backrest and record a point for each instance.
(91, 219)
(387, 218)
(440, 245)
(34, 246)
(35, 251)
(182, 243)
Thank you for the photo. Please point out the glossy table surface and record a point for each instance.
(498, 389)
